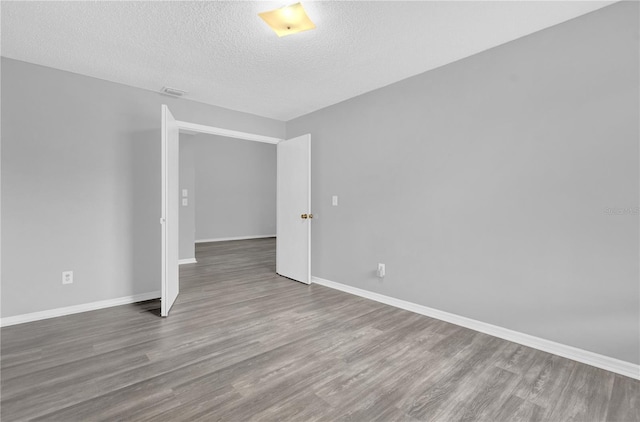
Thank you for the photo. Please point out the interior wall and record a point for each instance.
(187, 229)
(503, 187)
(81, 185)
(235, 182)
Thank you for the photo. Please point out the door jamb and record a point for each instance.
(193, 128)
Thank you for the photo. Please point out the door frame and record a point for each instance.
(195, 128)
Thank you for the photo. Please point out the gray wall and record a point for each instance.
(231, 189)
(81, 185)
(187, 230)
(484, 185)
(235, 187)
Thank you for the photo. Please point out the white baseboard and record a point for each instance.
(590, 358)
(52, 313)
(224, 239)
(187, 261)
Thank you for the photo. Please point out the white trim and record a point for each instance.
(52, 313)
(192, 128)
(187, 261)
(224, 239)
(590, 358)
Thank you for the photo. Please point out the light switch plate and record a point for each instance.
(334, 200)
(185, 193)
(185, 202)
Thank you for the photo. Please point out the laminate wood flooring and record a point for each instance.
(244, 344)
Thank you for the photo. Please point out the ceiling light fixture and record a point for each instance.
(288, 20)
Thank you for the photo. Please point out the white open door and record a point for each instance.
(170, 209)
(293, 243)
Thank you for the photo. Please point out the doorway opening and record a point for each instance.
(293, 202)
(227, 191)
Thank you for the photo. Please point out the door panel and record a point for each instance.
(170, 209)
(293, 244)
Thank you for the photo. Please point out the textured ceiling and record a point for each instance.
(223, 54)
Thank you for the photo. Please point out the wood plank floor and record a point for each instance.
(243, 344)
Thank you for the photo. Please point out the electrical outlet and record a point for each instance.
(67, 277)
(381, 270)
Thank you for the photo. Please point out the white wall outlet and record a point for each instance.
(334, 200)
(381, 270)
(67, 277)
(185, 202)
(185, 193)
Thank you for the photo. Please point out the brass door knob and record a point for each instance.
(304, 216)
(310, 215)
